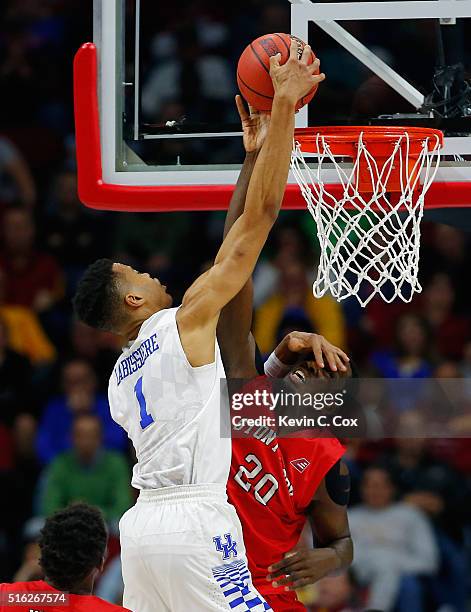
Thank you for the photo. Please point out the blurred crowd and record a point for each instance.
(411, 497)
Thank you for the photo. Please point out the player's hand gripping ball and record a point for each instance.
(253, 69)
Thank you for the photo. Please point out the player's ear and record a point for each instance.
(133, 300)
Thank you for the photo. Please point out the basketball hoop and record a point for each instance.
(368, 225)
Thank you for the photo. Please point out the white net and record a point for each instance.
(369, 242)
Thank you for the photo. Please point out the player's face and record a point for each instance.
(149, 289)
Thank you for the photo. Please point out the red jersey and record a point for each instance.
(272, 482)
(75, 603)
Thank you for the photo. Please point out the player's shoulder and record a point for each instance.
(310, 459)
(33, 585)
(314, 447)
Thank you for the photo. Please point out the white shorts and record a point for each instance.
(182, 550)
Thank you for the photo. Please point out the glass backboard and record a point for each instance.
(165, 120)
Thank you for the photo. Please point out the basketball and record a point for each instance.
(253, 69)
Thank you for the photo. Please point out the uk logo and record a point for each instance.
(300, 464)
(228, 549)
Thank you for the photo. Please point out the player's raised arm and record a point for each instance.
(233, 332)
(239, 252)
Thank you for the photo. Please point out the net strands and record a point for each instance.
(369, 241)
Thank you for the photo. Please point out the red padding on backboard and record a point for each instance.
(93, 192)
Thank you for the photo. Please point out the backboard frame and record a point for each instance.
(108, 180)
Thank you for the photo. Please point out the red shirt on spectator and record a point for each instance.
(22, 286)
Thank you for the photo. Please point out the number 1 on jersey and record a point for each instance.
(146, 418)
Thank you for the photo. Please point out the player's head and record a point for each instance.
(114, 297)
(73, 545)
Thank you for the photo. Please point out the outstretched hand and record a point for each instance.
(295, 78)
(254, 125)
(302, 567)
(299, 346)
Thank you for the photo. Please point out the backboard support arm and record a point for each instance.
(326, 15)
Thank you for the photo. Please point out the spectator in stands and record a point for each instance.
(291, 244)
(18, 79)
(32, 278)
(448, 252)
(411, 355)
(27, 468)
(16, 181)
(73, 235)
(453, 394)
(88, 473)
(79, 397)
(409, 461)
(98, 348)
(15, 379)
(436, 498)
(293, 301)
(17, 483)
(147, 239)
(450, 330)
(394, 546)
(417, 472)
(24, 331)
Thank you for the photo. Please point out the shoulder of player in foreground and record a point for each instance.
(32, 585)
(92, 603)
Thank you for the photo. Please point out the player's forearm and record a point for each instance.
(302, 567)
(284, 354)
(249, 232)
(236, 317)
(237, 203)
(267, 186)
(342, 552)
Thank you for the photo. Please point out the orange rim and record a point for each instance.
(378, 135)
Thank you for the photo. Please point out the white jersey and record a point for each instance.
(170, 410)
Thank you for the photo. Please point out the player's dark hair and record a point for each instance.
(72, 543)
(97, 299)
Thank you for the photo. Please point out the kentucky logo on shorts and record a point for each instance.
(234, 580)
(228, 549)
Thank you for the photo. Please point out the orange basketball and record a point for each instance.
(253, 69)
